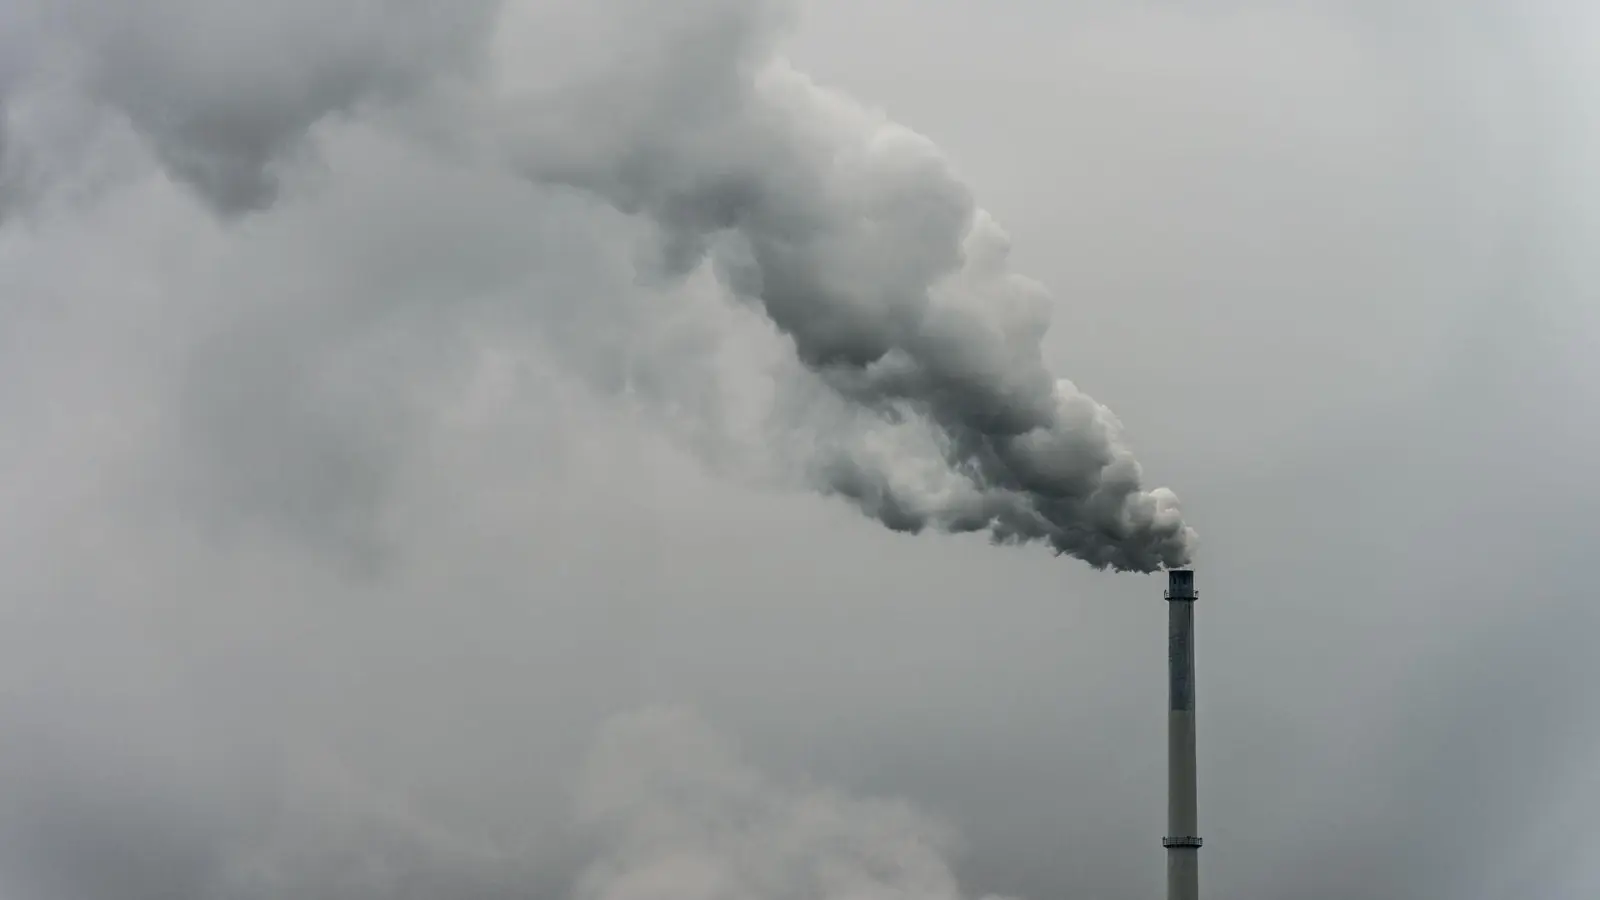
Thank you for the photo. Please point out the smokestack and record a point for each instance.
(1182, 841)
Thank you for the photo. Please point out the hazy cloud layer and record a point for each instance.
(382, 414)
(679, 814)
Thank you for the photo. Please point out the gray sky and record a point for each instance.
(389, 515)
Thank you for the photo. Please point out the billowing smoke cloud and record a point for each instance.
(921, 393)
(861, 244)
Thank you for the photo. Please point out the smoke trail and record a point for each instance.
(851, 234)
(865, 249)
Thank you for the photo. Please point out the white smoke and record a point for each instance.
(915, 385)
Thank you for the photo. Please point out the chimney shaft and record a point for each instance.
(1182, 841)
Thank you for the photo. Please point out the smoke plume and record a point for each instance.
(864, 248)
(920, 392)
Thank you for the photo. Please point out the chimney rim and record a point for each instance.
(1180, 584)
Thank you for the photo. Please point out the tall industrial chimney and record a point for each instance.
(1182, 841)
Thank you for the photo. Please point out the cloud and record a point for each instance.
(226, 93)
(663, 807)
(678, 813)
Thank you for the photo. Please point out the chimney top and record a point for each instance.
(1180, 584)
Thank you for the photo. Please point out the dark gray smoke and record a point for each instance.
(866, 250)
(850, 233)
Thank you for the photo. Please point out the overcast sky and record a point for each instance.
(400, 499)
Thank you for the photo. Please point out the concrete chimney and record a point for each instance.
(1182, 841)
